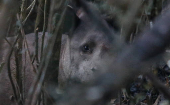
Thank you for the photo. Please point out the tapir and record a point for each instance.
(81, 51)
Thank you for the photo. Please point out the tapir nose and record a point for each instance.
(94, 69)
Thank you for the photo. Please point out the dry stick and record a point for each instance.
(37, 26)
(8, 42)
(24, 68)
(19, 57)
(37, 22)
(22, 5)
(18, 75)
(33, 5)
(36, 57)
(39, 15)
(50, 22)
(159, 85)
(26, 43)
(19, 64)
(30, 6)
(23, 33)
(23, 22)
(44, 28)
(47, 60)
(9, 69)
(157, 100)
(35, 71)
(36, 47)
(29, 54)
(15, 89)
(42, 44)
(36, 87)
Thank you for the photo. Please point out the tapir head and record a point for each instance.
(85, 47)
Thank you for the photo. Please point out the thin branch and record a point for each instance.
(32, 7)
(9, 69)
(26, 43)
(159, 85)
(37, 84)
(44, 28)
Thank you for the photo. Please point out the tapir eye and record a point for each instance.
(86, 48)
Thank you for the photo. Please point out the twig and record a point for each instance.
(160, 86)
(9, 69)
(157, 100)
(44, 28)
(25, 41)
(37, 84)
(8, 41)
(32, 7)
(36, 47)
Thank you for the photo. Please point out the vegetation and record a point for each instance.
(128, 17)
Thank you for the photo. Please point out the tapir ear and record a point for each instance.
(71, 20)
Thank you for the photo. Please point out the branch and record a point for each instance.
(130, 63)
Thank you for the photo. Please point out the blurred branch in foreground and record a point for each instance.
(133, 61)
